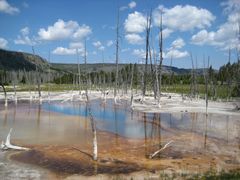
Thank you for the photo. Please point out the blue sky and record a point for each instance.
(201, 28)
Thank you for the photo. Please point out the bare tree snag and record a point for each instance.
(229, 83)
(161, 58)
(38, 77)
(79, 74)
(5, 95)
(157, 81)
(14, 82)
(117, 58)
(193, 79)
(148, 28)
(49, 66)
(94, 130)
(206, 83)
(131, 85)
(29, 84)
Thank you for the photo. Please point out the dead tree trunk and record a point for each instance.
(117, 58)
(38, 77)
(79, 74)
(193, 80)
(131, 85)
(49, 66)
(238, 59)
(148, 28)
(94, 130)
(104, 81)
(161, 58)
(93, 125)
(14, 82)
(153, 80)
(206, 84)
(5, 95)
(157, 81)
(229, 82)
(196, 79)
(29, 84)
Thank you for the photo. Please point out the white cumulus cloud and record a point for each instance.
(82, 32)
(175, 53)
(134, 38)
(225, 36)
(175, 50)
(64, 51)
(76, 45)
(109, 43)
(24, 38)
(64, 30)
(3, 43)
(183, 18)
(135, 23)
(5, 7)
(140, 53)
(25, 31)
(166, 33)
(132, 4)
(98, 45)
(178, 43)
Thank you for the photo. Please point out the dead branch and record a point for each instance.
(151, 156)
(83, 152)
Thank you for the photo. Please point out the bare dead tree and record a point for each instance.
(5, 94)
(38, 78)
(161, 56)
(152, 69)
(206, 82)
(28, 81)
(131, 85)
(229, 82)
(193, 79)
(93, 125)
(148, 29)
(79, 73)
(104, 80)
(117, 58)
(196, 78)
(49, 69)
(238, 56)
(85, 63)
(157, 80)
(14, 83)
(88, 106)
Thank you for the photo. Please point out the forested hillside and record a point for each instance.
(11, 60)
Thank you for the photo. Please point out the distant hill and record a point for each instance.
(11, 60)
(108, 67)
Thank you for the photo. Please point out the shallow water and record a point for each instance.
(132, 124)
(68, 124)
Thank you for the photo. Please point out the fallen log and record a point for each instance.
(158, 151)
(7, 145)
